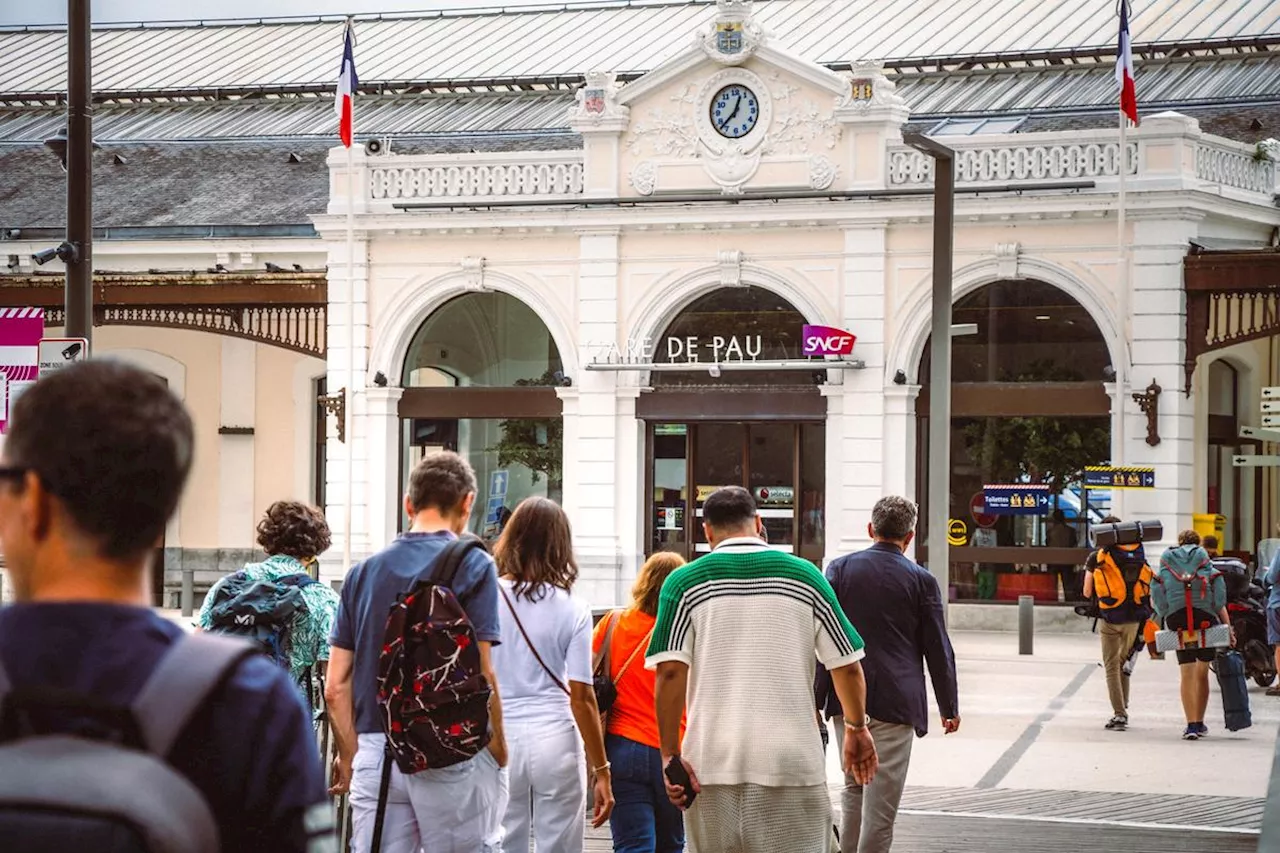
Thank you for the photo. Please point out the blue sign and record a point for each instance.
(1017, 499)
(1113, 477)
(493, 513)
(498, 484)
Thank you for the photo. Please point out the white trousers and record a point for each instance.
(548, 786)
(451, 810)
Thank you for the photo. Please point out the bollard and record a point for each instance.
(188, 591)
(1026, 623)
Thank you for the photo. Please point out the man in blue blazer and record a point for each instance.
(898, 610)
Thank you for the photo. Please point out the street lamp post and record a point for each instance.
(938, 507)
(79, 162)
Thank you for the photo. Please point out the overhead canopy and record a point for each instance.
(1233, 296)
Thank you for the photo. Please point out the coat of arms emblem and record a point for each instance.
(593, 100)
(729, 37)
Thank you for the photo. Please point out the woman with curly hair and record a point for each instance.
(293, 535)
(544, 677)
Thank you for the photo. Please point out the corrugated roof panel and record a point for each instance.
(626, 38)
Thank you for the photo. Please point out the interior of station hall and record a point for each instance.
(569, 257)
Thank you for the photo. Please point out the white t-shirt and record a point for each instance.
(560, 627)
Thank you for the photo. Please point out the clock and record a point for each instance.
(735, 110)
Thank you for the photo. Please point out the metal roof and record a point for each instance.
(630, 38)
(1048, 90)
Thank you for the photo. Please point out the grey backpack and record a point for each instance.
(117, 793)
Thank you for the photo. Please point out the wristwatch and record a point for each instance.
(857, 727)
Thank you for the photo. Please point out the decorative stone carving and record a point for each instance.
(869, 87)
(597, 101)
(730, 263)
(667, 133)
(473, 272)
(822, 172)
(644, 177)
(734, 36)
(1007, 259)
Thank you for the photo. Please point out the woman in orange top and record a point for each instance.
(644, 820)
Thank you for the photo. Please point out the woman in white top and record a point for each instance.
(545, 680)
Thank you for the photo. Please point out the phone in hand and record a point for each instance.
(677, 775)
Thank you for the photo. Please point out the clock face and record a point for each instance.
(734, 111)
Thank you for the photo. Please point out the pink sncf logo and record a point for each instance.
(825, 340)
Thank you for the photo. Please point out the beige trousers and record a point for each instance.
(868, 812)
(1117, 643)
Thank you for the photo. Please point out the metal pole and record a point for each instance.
(349, 409)
(939, 509)
(79, 271)
(1026, 623)
(188, 591)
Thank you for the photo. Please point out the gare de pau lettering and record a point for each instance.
(690, 349)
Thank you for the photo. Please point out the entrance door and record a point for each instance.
(781, 463)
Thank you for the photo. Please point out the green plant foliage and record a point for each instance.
(535, 443)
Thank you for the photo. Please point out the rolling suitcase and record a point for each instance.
(1235, 690)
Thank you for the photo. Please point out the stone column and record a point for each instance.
(1159, 319)
(591, 425)
(382, 428)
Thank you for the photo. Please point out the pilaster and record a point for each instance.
(382, 427)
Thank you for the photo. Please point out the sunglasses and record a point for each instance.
(13, 473)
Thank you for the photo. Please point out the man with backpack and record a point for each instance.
(1189, 594)
(411, 691)
(1119, 577)
(117, 731)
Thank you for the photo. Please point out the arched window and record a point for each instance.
(1028, 408)
(480, 379)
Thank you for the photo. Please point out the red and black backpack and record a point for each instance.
(432, 693)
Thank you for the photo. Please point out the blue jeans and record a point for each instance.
(643, 821)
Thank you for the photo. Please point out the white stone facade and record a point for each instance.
(619, 263)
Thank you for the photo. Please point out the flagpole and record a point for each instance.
(349, 408)
(1124, 301)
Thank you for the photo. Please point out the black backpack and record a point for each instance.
(259, 611)
(432, 693)
(108, 787)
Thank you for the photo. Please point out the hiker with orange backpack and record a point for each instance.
(1118, 575)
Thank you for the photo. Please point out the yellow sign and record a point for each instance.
(704, 492)
(957, 532)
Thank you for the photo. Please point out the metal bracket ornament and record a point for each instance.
(1149, 402)
(336, 404)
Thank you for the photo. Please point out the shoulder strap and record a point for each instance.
(600, 666)
(529, 642)
(446, 564)
(5, 685)
(179, 686)
(644, 644)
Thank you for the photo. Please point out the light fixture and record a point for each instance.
(900, 378)
(714, 370)
(1042, 316)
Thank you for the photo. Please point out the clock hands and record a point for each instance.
(737, 106)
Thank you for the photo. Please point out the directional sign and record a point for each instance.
(1260, 434)
(1271, 405)
(1271, 392)
(57, 353)
(1256, 461)
(1271, 420)
(1113, 477)
(1017, 499)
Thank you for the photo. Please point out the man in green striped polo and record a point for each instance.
(737, 637)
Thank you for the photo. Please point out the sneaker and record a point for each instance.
(1118, 723)
(1202, 728)
(1191, 732)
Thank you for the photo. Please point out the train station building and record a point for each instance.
(625, 254)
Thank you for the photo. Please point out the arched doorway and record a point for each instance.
(722, 422)
(479, 379)
(1028, 407)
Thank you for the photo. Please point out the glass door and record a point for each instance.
(781, 464)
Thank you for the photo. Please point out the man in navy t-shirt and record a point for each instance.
(92, 468)
(451, 808)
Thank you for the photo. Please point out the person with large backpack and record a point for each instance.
(276, 604)
(412, 695)
(118, 732)
(1119, 578)
(1189, 594)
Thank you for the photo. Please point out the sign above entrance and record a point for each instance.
(1017, 499)
(1112, 477)
(826, 340)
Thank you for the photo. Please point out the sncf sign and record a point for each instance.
(825, 340)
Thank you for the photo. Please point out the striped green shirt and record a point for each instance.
(750, 623)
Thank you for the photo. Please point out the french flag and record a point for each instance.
(1124, 67)
(347, 83)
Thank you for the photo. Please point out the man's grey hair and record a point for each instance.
(893, 518)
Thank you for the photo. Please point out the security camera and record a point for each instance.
(562, 379)
(900, 378)
(1109, 373)
(380, 379)
(65, 252)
